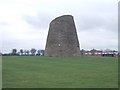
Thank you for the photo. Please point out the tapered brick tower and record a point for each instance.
(62, 37)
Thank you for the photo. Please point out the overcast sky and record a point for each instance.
(25, 23)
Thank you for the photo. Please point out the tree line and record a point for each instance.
(22, 52)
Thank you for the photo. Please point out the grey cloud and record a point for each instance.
(39, 21)
(98, 15)
(97, 22)
(4, 24)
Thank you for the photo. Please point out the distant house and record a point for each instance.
(95, 52)
(83, 52)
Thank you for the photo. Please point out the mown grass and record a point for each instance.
(59, 72)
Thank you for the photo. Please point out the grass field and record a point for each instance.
(59, 72)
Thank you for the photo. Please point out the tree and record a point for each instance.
(33, 51)
(42, 52)
(21, 51)
(27, 51)
(14, 51)
(0, 53)
(38, 52)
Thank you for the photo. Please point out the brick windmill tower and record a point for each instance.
(62, 37)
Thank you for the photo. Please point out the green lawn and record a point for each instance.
(59, 72)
